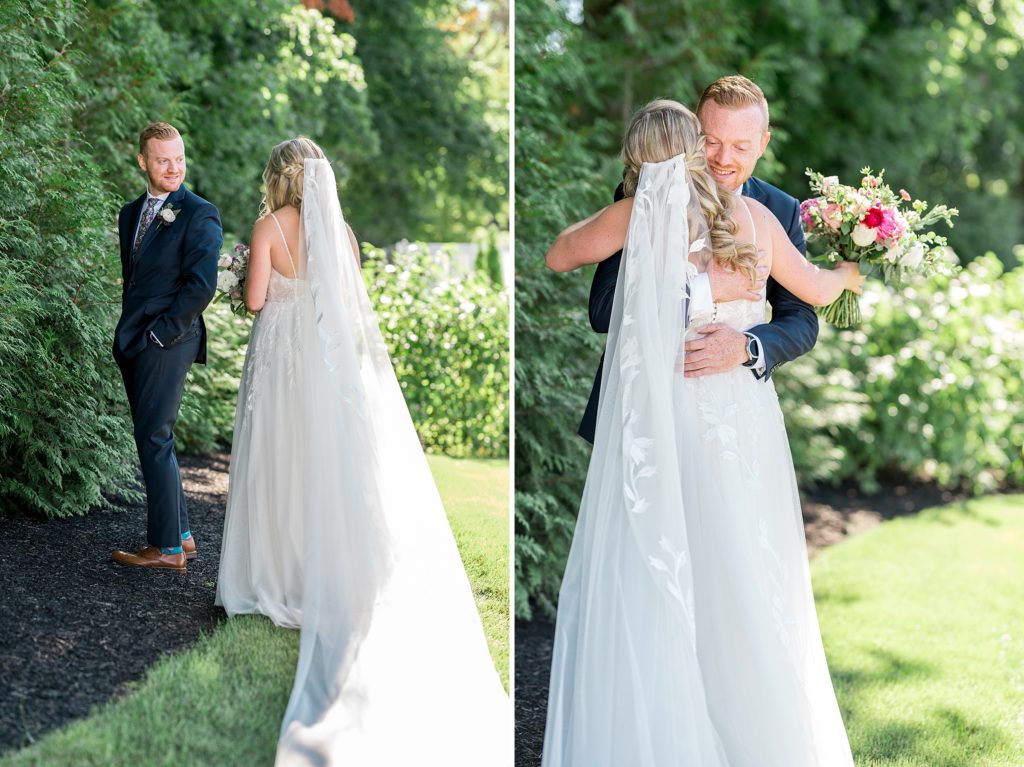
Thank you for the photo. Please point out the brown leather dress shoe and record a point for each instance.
(187, 545)
(152, 557)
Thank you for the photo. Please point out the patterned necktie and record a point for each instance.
(147, 218)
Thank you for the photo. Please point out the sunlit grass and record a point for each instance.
(923, 621)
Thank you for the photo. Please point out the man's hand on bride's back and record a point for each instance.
(734, 284)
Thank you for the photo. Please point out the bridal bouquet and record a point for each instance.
(882, 230)
(231, 278)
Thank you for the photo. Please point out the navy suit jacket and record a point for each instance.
(171, 278)
(793, 329)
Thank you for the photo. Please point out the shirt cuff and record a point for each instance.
(759, 366)
(700, 294)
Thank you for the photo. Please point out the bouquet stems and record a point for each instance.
(844, 312)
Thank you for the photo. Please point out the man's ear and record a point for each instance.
(142, 162)
(765, 138)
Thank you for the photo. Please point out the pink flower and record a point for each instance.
(832, 215)
(891, 226)
(805, 210)
(869, 181)
(905, 195)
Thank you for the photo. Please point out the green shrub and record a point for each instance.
(448, 340)
(64, 431)
(928, 388)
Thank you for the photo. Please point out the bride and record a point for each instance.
(686, 630)
(333, 523)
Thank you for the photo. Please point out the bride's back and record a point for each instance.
(287, 249)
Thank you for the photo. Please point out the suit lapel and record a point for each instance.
(128, 230)
(174, 199)
(752, 190)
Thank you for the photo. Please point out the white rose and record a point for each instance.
(168, 215)
(829, 182)
(863, 235)
(226, 282)
(892, 254)
(913, 257)
(859, 206)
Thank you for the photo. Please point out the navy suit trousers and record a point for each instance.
(154, 381)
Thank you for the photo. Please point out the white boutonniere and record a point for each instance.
(168, 215)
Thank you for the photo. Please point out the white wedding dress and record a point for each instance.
(334, 526)
(686, 630)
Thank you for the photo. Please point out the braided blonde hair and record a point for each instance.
(283, 176)
(663, 129)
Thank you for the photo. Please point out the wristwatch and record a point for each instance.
(753, 351)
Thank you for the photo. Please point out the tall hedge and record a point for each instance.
(64, 429)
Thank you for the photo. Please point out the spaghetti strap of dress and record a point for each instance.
(295, 271)
(750, 218)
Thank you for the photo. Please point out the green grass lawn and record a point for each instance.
(923, 622)
(220, 703)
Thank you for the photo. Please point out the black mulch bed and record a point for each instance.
(75, 628)
(830, 514)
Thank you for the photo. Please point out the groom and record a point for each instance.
(733, 113)
(170, 244)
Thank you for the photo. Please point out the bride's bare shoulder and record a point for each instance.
(757, 209)
(287, 214)
(761, 214)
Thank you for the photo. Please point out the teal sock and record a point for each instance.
(171, 549)
(186, 535)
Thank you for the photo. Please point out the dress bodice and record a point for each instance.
(286, 289)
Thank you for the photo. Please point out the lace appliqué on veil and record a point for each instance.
(672, 561)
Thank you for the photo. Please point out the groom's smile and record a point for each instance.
(164, 164)
(734, 140)
(727, 178)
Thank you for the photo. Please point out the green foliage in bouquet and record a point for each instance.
(930, 387)
(64, 428)
(448, 340)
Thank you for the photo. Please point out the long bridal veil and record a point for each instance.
(393, 663)
(625, 680)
